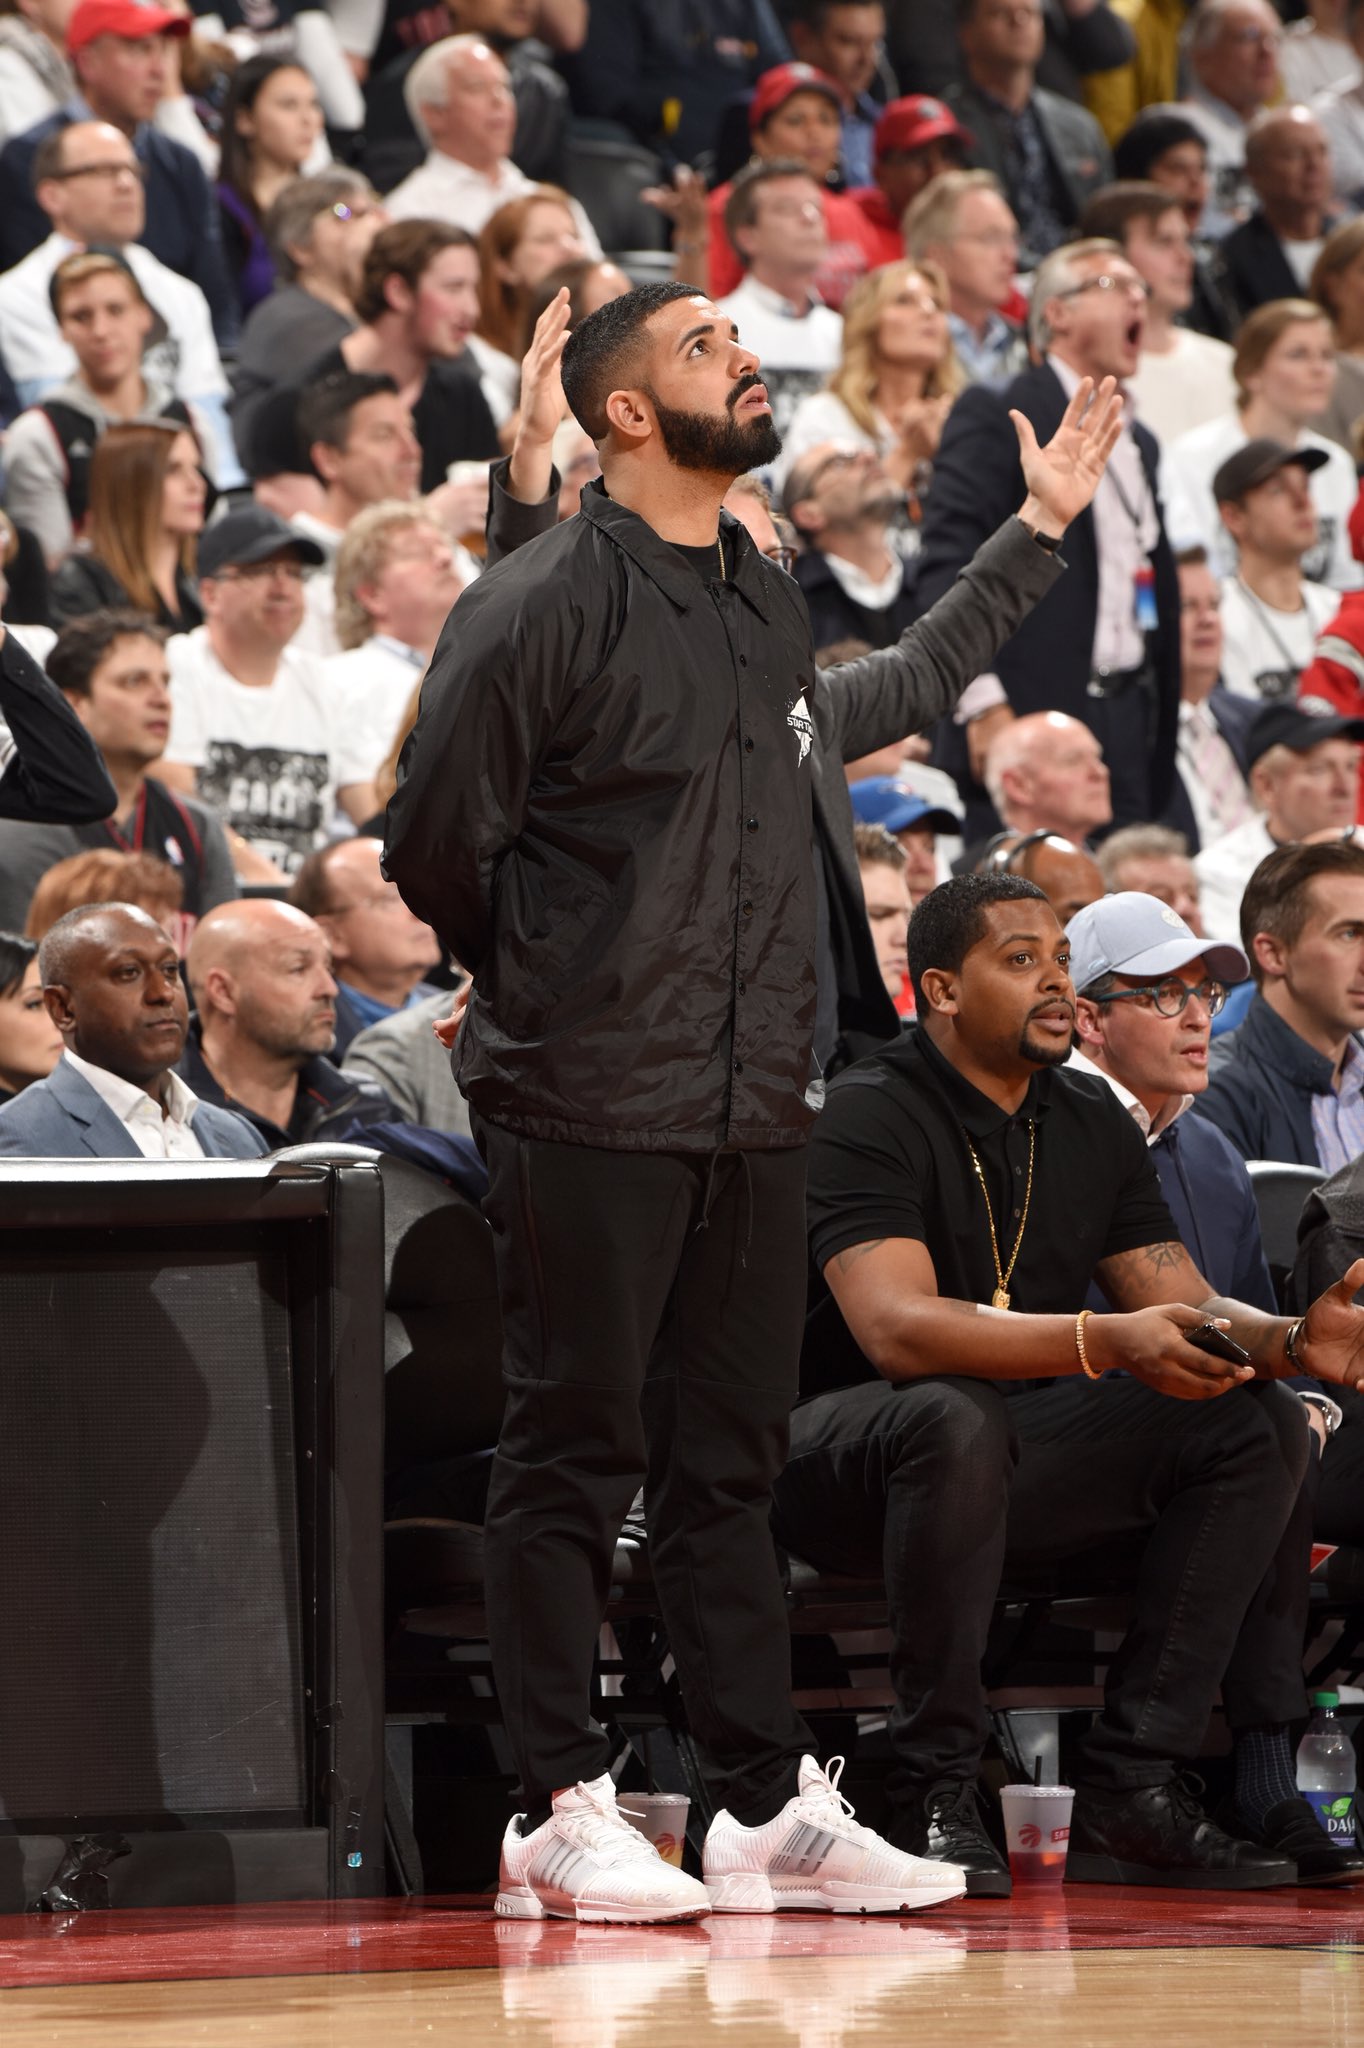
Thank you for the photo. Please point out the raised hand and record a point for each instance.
(1331, 1346)
(1063, 477)
(542, 402)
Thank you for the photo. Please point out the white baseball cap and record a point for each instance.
(1132, 933)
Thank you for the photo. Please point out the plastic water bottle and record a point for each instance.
(1327, 1770)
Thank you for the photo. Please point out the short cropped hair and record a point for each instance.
(325, 409)
(290, 215)
(1112, 210)
(1056, 274)
(876, 846)
(1276, 898)
(83, 643)
(425, 84)
(1259, 332)
(931, 216)
(405, 249)
(603, 350)
(311, 891)
(950, 919)
(48, 157)
(741, 207)
(1195, 556)
(1139, 842)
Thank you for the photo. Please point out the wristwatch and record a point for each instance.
(1048, 542)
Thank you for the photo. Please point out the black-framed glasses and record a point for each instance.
(1169, 998)
(1137, 286)
(104, 170)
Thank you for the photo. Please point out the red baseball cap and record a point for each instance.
(778, 85)
(125, 18)
(912, 122)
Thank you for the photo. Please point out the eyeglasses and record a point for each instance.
(838, 458)
(343, 212)
(1169, 998)
(105, 170)
(785, 558)
(259, 572)
(1137, 287)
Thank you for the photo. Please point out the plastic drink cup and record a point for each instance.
(1037, 1828)
(662, 1817)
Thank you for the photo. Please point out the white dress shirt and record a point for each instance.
(443, 188)
(159, 1130)
(1223, 869)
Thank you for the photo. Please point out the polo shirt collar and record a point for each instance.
(978, 1116)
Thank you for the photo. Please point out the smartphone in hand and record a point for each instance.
(1207, 1337)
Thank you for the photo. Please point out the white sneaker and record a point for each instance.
(586, 1862)
(814, 1856)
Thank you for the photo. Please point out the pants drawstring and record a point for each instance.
(709, 1196)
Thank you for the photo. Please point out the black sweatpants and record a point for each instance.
(947, 1484)
(652, 1308)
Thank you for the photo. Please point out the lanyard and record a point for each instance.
(1290, 660)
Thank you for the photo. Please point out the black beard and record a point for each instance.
(719, 447)
(1042, 1055)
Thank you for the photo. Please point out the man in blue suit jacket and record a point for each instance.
(1114, 665)
(111, 981)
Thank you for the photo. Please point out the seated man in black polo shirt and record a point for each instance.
(963, 1195)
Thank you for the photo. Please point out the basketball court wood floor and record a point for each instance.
(1096, 1968)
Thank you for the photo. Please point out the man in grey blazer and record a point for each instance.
(111, 981)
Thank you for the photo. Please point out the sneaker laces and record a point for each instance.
(829, 1804)
(605, 1827)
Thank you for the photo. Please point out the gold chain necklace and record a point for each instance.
(1000, 1297)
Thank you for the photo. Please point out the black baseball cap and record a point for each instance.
(1257, 462)
(1289, 725)
(252, 535)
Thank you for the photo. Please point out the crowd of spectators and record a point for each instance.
(279, 294)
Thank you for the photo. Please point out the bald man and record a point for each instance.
(380, 951)
(1068, 877)
(265, 1021)
(1046, 773)
(111, 982)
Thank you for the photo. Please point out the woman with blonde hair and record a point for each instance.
(148, 494)
(1337, 286)
(897, 380)
(1285, 370)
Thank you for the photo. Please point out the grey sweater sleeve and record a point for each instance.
(899, 690)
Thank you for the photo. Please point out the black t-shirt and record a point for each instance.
(889, 1158)
(706, 561)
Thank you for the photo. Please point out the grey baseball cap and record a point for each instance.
(1132, 933)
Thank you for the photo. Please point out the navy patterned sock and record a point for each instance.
(1264, 1772)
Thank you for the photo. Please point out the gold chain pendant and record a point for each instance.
(1000, 1298)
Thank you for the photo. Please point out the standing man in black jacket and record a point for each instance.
(605, 810)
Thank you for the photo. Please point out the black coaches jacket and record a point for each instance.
(604, 811)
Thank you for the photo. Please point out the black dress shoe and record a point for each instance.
(1159, 1834)
(1292, 1829)
(950, 1829)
